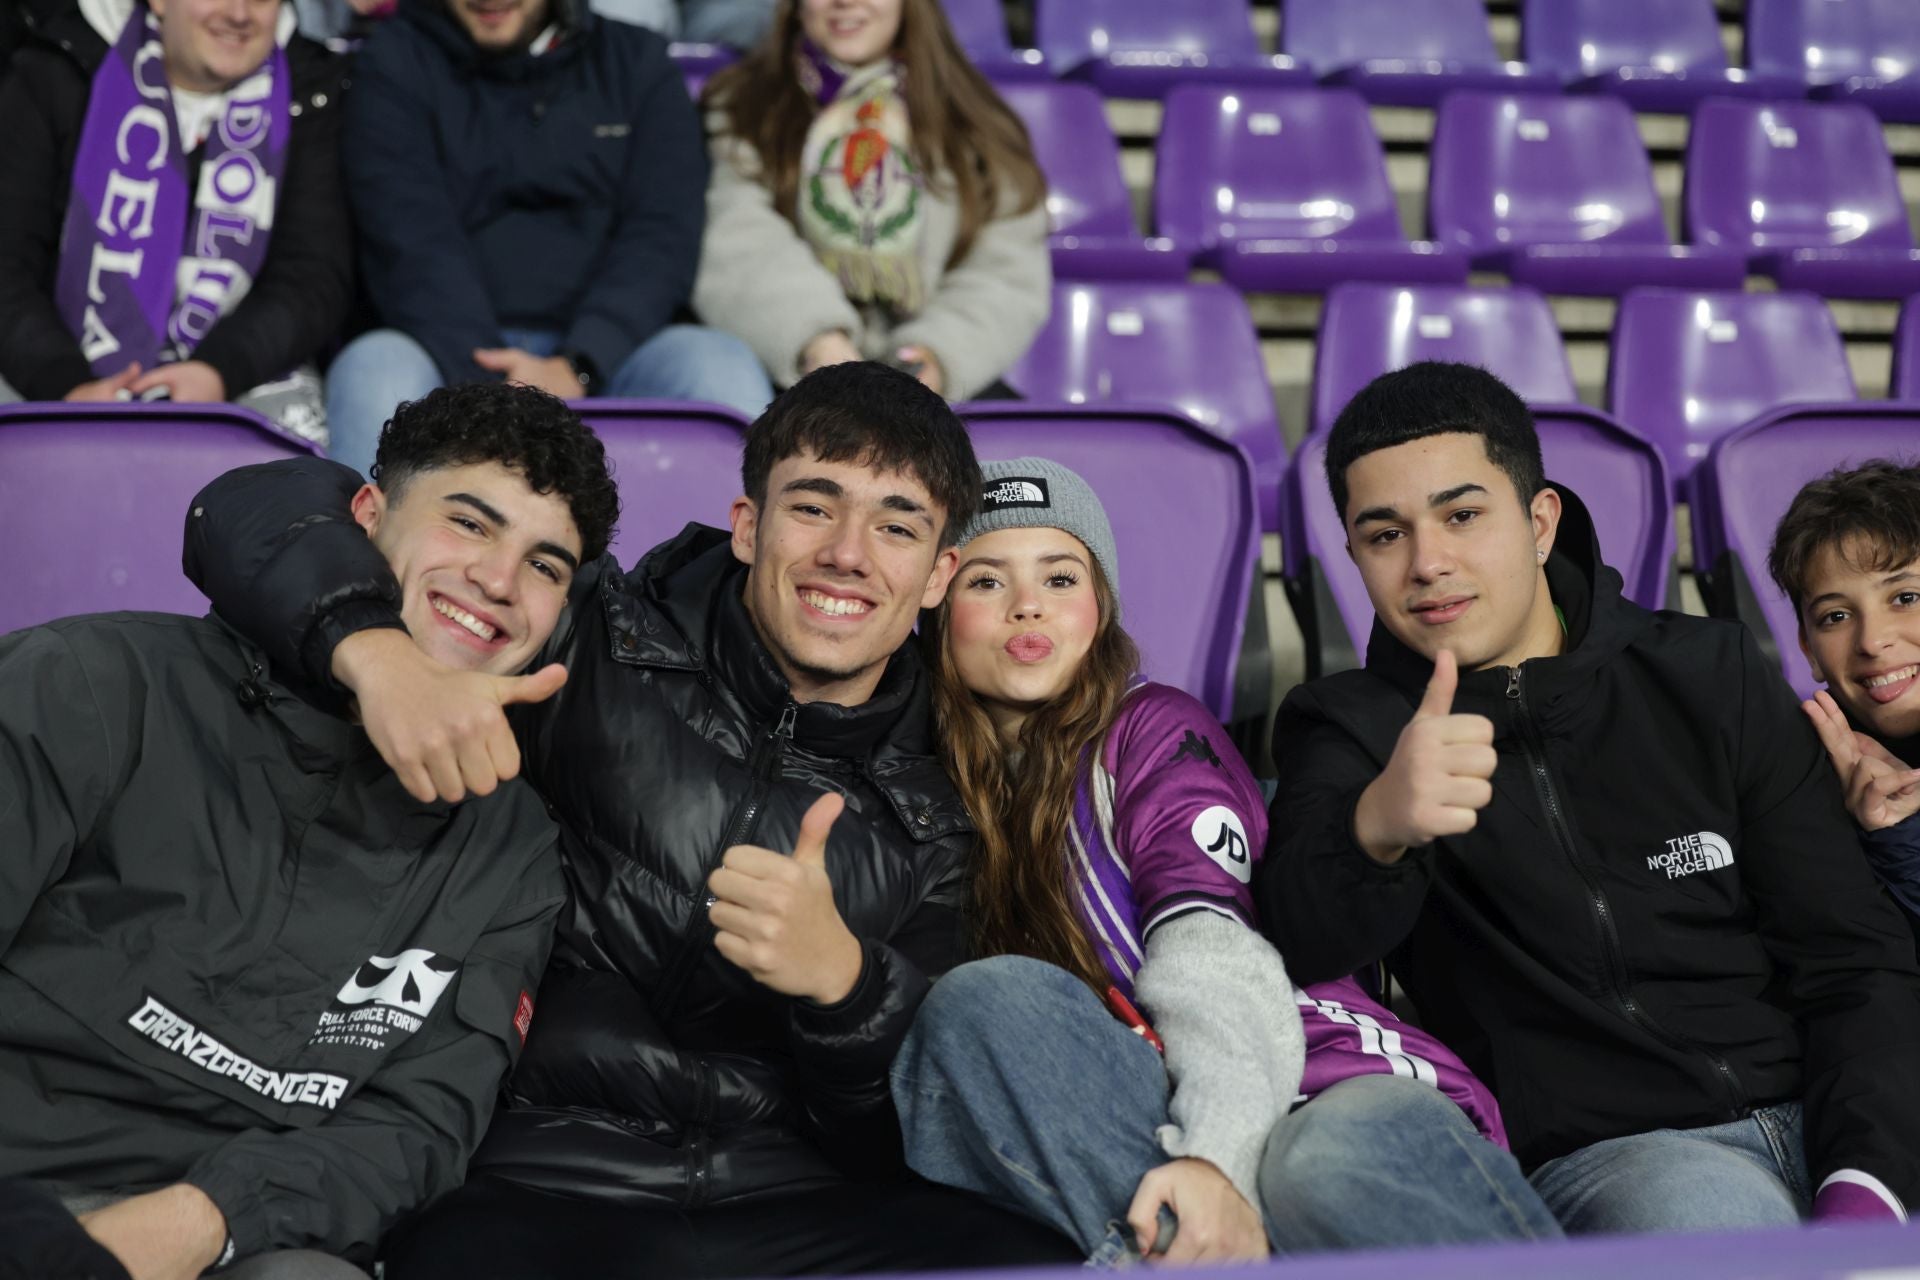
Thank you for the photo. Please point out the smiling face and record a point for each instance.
(1021, 615)
(484, 562)
(853, 32)
(1450, 558)
(1860, 630)
(500, 26)
(842, 559)
(209, 46)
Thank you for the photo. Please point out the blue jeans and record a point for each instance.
(1017, 1084)
(1726, 1177)
(378, 370)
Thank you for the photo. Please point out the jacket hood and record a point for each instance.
(433, 18)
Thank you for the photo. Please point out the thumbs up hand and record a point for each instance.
(1437, 781)
(774, 915)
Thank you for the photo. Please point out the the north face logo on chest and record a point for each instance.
(1701, 851)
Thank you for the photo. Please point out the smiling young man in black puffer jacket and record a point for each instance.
(1600, 846)
(705, 1089)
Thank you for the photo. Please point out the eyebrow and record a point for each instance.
(994, 563)
(1840, 597)
(1440, 499)
(832, 489)
(499, 518)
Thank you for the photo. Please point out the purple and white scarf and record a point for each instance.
(146, 267)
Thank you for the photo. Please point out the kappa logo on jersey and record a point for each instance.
(411, 981)
(1702, 851)
(1195, 746)
(1016, 491)
(170, 1031)
(1221, 837)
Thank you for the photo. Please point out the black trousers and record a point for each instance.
(496, 1230)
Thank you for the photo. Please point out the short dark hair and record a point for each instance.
(1874, 506)
(522, 429)
(1434, 398)
(872, 416)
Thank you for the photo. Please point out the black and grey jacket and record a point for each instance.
(1663, 919)
(233, 951)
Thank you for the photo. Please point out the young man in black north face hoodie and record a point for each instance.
(1600, 847)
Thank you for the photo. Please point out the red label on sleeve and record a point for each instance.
(523, 1016)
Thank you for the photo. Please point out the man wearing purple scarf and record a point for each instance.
(171, 216)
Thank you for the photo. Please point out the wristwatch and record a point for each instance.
(584, 369)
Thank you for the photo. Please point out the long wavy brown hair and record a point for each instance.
(968, 143)
(1022, 898)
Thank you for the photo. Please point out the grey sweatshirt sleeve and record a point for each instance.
(1219, 997)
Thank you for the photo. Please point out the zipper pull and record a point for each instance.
(784, 729)
(1513, 683)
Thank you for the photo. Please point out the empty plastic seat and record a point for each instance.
(1866, 51)
(1369, 329)
(1091, 214)
(1906, 352)
(1402, 52)
(1143, 48)
(1186, 346)
(1745, 485)
(1659, 55)
(1184, 522)
(674, 463)
(1558, 193)
(1686, 368)
(1618, 476)
(698, 62)
(1285, 189)
(1807, 191)
(981, 28)
(92, 499)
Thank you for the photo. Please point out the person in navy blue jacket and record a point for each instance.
(528, 184)
(1847, 553)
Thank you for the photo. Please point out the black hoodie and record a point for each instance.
(1663, 919)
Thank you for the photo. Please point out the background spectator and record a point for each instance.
(872, 196)
(526, 183)
(213, 264)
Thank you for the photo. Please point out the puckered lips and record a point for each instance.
(1891, 684)
(1029, 647)
(467, 623)
(833, 605)
(1441, 610)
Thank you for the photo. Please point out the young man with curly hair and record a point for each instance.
(258, 999)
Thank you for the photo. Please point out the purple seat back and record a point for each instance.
(980, 26)
(1579, 38)
(674, 464)
(1751, 476)
(93, 499)
(1282, 163)
(1906, 352)
(1687, 368)
(1182, 508)
(1086, 193)
(1370, 329)
(1511, 170)
(1768, 177)
(1618, 475)
(1333, 34)
(1191, 347)
(1822, 41)
(1072, 32)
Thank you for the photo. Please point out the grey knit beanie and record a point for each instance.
(1033, 493)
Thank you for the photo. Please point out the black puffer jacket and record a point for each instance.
(657, 1070)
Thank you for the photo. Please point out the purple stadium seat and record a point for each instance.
(1745, 486)
(1285, 190)
(1906, 352)
(1094, 237)
(1191, 347)
(1402, 52)
(674, 463)
(1618, 475)
(1368, 329)
(1687, 368)
(1143, 48)
(1866, 51)
(1807, 191)
(1557, 192)
(1184, 520)
(981, 28)
(92, 496)
(1658, 55)
(698, 62)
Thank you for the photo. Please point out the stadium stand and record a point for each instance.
(1655, 55)
(1402, 54)
(1863, 51)
(1142, 48)
(1906, 352)
(675, 463)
